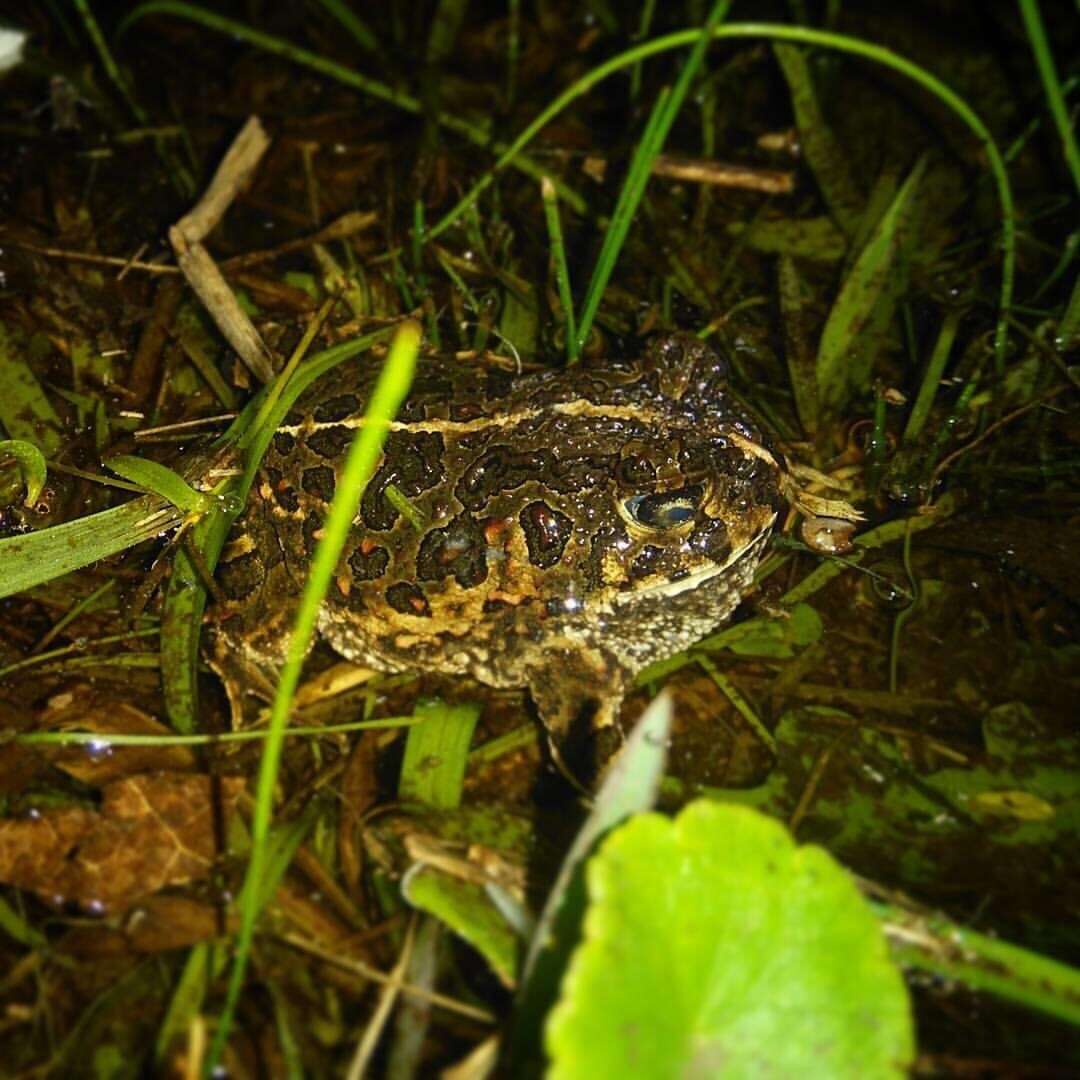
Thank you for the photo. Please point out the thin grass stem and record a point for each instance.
(386, 398)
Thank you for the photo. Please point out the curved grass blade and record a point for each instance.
(877, 54)
(31, 462)
(389, 392)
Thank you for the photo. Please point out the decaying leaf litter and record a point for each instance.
(905, 704)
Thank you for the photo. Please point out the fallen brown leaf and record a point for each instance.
(152, 830)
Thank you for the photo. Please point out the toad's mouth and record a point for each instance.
(695, 580)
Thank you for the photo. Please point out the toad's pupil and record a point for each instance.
(665, 511)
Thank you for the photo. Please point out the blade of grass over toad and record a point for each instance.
(436, 752)
(562, 271)
(460, 126)
(1055, 99)
(652, 142)
(390, 391)
(665, 110)
(26, 561)
(181, 616)
(841, 43)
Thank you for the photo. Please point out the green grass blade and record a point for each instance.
(823, 153)
(665, 110)
(26, 561)
(445, 26)
(390, 391)
(652, 141)
(97, 39)
(436, 753)
(98, 738)
(203, 961)
(957, 954)
(361, 33)
(866, 297)
(1055, 99)
(160, 480)
(932, 379)
(798, 303)
(562, 271)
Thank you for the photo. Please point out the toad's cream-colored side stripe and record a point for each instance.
(577, 408)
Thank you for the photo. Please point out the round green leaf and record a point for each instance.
(713, 946)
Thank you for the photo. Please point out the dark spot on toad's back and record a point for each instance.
(369, 561)
(336, 409)
(458, 549)
(319, 481)
(546, 533)
(330, 442)
(408, 599)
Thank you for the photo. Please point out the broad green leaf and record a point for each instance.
(436, 753)
(465, 908)
(866, 301)
(714, 946)
(31, 464)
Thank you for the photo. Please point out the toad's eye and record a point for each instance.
(668, 510)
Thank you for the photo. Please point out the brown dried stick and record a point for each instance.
(200, 270)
